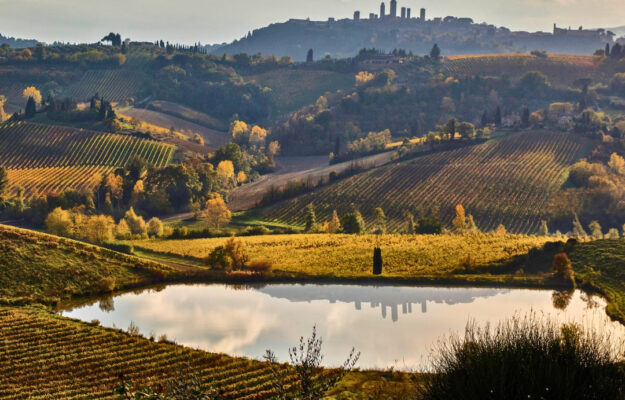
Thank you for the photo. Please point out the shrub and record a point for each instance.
(235, 249)
(135, 222)
(155, 227)
(59, 222)
(526, 359)
(353, 223)
(219, 259)
(260, 266)
(254, 231)
(562, 266)
(122, 230)
(106, 284)
(120, 247)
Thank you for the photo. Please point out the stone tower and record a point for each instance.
(393, 8)
(423, 14)
(382, 10)
(403, 13)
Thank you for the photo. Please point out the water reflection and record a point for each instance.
(247, 321)
(385, 297)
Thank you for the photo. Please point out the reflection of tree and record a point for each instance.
(561, 298)
(107, 304)
(590, 300)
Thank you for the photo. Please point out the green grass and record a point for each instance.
(600, 265)
(44, 268)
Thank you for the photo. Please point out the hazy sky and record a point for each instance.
(216, 21)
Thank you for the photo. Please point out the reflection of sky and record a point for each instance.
(247, 322)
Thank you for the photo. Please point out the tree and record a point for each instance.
(334, 226)
(99, 229)
(235, 250)
(3, 114)
(498, 116)
(595, 230)
(114, 38)
(525, 118)
(578, 229)
(40, 52)
(135, 222)
(216, 212)
(32, 91)
(155, 227)
(225, 172)
(31, 108)
(377, 261)
(466, 130)
(353, 223)
(309, 56)
(241, 177)
(364, 77)
(122, 230)
(460, 221)
(380, 220)
(59, 222)
(471, 226)
(607, 50)
(544, 229)
(501, 230)
(4, 181)
(429, 226)
(311, 218)
(562, 266)
(617, 164)
(435, 53)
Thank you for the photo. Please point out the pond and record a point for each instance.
(392, 326)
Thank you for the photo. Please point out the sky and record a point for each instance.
(217, 21)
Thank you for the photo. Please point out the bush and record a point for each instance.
(219, 259)
(260, 266)
(562, 266)
(353, 223)
(254, 231)
(106, 284)
(526, 359)
(120, 247)
(155, 227)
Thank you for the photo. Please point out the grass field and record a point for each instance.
(188, 114)
(296, 88)
(508, 181)
(46, 158)
(349, 256)
(560, 69)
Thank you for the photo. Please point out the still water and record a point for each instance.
(392, 326)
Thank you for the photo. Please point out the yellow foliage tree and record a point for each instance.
(3, 115)
(225, 171)
(216, 212)
(32, 91)
(258, 134)
(501, 230)
(99, 229)
(238, 128)
(460, 221)
(59, 222)
(334, 226)
(617, 164)
(363, 77)
(113, 185)
(241, 177)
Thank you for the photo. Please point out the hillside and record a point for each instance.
(503, 181)
(345, 37)
(296, 88)
(113, 85)
(45, 158)
(560, 69)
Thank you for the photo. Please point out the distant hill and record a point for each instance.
(17, 43)
(344, 38)
(503, 181)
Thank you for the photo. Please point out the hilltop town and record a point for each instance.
(397, 27)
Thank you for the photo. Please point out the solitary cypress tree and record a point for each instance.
(544, 229)
(309, 56)
(435, 53)
(607, 49)
(498, 116)
(377, 261)
(311, 218)
(103, 110)
(525, 118)
(31, 108)
(484, 119)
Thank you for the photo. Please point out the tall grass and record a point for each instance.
(527, 358)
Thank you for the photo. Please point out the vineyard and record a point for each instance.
(505, 181)
(44, 158)
(43, 355)
(112, 85)
(560, 69)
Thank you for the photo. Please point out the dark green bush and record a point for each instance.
(527, 358)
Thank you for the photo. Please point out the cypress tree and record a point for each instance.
(311, 218)
(377, 261)
(309, 56)
(525, 118)
(103, 110)
(498, 116)
(31, 108)
(544, 229)
(484, 119)
(607, 49)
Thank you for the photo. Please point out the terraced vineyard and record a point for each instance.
(113, 85)
(44, 158)
(66, 359)
(504, 181)
(560, 69)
